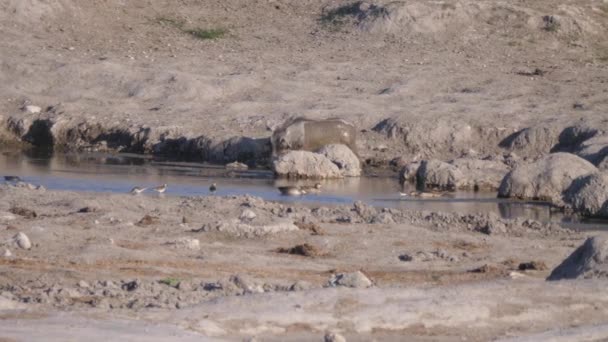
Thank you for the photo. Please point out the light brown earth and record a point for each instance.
(120, 264)
(454, 77)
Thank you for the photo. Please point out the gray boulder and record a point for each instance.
(545, 179)
(533, 141)
(409, 171)
(603, 163)
(589, 195)
(354, 280)
(304, 164)
(594, 150)
(346, 160)
(437, 174)
(481, 174)
(588, 261)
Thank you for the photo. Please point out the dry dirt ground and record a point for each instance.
(125, 266)
(452, 78)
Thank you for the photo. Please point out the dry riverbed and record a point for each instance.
(233, 268)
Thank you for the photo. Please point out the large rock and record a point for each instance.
(603, 163)
(346, 160)
(533, 141)
(304, 164)
(589, 195)
(545, 179)
(594, 150)
(588, 261)
(480, 173)
(409, 171)
(437, 174)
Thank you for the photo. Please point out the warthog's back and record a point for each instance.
(311, 135)
(326, 132)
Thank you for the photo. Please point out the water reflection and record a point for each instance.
(94, 172)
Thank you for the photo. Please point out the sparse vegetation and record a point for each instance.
(173, 282)
(206, 33)
(200, 33)
(337, 17)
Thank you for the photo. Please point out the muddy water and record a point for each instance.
(120, 173)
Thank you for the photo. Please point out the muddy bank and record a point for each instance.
(161, 256)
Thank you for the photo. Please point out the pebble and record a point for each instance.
(334, 337)
(355, 280)
(7, 253)
(22, 241)
(247, 215)
(83, 284)
(32, 109)
(186, 243)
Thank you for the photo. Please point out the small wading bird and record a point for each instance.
(137, 190)
(291, 191)
(311, 189)
(423, 194)
(213, 188)
(160, 189)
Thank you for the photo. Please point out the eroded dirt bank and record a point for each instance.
(240, 267)
(134, 76)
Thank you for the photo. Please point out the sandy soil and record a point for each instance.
(133, 258)
(440, 71)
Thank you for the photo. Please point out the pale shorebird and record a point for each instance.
(311, 189)
(427, 194)
(213, 188)
(137, 190)
(291, 191)
(160, 189)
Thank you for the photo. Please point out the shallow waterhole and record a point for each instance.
(95, 172)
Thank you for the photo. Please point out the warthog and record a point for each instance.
(311, 135)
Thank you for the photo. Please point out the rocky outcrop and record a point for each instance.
(443, 138)
(409, 171)
(304, 164)
(461, 173)
(345, 159)
(47, 131)
(546, 179)
(533, 141)
(589, 195)
(594, 150)
(588, 261)
(480, 173)
(439, 175)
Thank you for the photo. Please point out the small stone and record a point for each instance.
(301, 285)
(532, 265)
(246, 284)
(406, 257)
(22, 241)
(355, 280)
(7, 253)
(186, 243)
(334, 337)
(247, 215)
(83, 284)
(32, 109)
(132, 285)
(516, 275)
